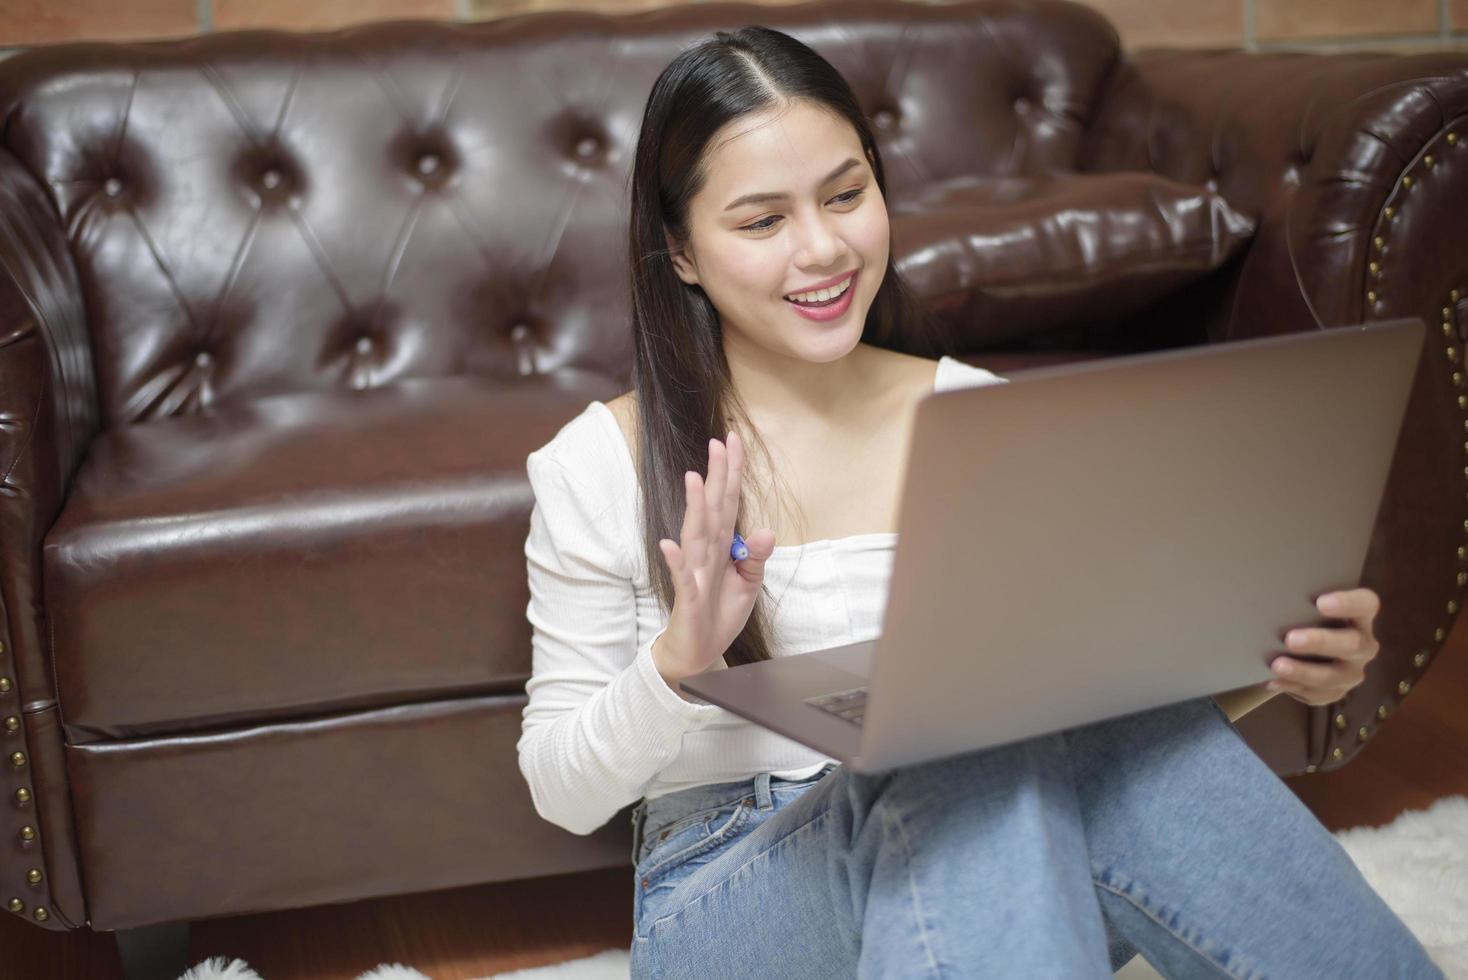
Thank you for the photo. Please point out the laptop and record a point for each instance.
(1101, 538)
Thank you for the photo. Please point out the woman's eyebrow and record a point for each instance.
(781, 195)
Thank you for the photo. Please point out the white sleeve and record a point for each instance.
(600, 722)
(973, 376)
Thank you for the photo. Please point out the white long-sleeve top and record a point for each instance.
(602, 729)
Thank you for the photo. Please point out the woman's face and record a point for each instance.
(826, 218)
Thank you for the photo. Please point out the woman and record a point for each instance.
(764, 304)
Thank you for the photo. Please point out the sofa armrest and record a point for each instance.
(1356, 165)
(48, 399)
(48, 414)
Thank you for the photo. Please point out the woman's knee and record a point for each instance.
(1030, 775)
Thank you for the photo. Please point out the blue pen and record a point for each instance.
(738, 550)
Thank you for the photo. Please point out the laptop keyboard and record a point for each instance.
(850, 705)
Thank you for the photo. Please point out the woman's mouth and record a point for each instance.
(833, 306)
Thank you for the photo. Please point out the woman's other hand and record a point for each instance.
(1349, 647)
(714, 594)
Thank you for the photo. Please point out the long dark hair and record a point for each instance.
(680, 375)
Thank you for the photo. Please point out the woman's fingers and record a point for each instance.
(731, 490)
(684, 584)
(691, 538)
(712, 506)
(714, 486)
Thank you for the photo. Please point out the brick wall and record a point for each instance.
(1398, 25)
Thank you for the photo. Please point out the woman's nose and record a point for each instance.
(820, 245)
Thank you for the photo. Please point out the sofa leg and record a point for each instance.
(158, 952)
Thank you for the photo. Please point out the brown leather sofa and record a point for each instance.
(282, 315)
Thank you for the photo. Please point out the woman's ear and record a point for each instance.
(681, 265)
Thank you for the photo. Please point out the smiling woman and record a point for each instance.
(758, 187)
(765, 310)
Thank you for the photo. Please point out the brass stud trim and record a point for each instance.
(1407, 181)
(1337, 754)
(1362, 734)
(1379, 242)
(1463, 402)
(1458, 379)
(1340, 722)
(1452, 353)
(1462, 578)
(1452, 138)
(1403, 687)
(15, 905)
(1452, 606)
(34, 876)
(12, 723)
(1382, 712)
(1371, 296)
(1388, 212)
(17, 759)
(1419, 658)
(22, 795)
(40, 914)
(1428, 160)
(28, 833)
(1462, 552)
(1374, 268)
(1454, 295)
(1438, 634)
(1311, 768)
(4, 684)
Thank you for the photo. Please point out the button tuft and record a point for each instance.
(428, 164)
(202, 359)
(364, 345)
(271, 179)
(586, 147)
(112, 187)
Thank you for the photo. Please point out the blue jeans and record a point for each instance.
(1159, 832)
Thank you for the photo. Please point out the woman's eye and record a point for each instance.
(765, 224)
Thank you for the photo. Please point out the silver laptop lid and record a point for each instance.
(1161, 517)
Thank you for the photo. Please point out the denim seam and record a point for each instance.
(746, 789)
(896, 818)
(1148, 913)
(737, 819)
(735, 873)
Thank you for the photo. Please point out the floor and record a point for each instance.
(474, 932)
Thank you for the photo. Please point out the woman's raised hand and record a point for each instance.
(714, 594)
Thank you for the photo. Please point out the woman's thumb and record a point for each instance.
(761, 545)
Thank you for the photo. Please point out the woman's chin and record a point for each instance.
(824, 344)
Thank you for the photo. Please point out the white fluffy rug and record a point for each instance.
(1418, 864)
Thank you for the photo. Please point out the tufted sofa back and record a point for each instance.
(256, 213)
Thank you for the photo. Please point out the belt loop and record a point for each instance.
(762, 791)
(639, 815)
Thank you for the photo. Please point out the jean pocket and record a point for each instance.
(690, 836)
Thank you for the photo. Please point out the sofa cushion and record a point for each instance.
(301, 553)
(998, 259)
